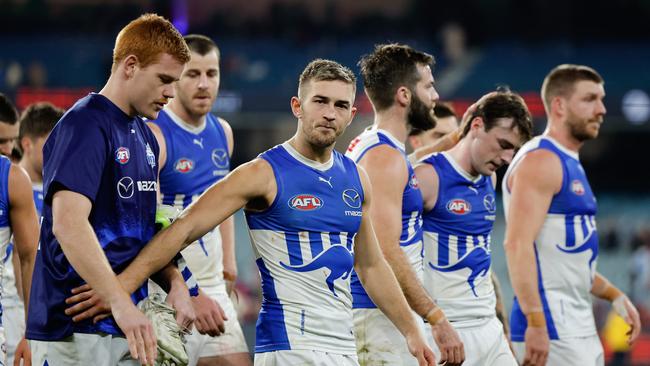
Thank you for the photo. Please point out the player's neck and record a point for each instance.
(461, 155)
(560, 133)
(34, 175)
(192, 120)
(311, 152)
(393, 121)
(115, 93)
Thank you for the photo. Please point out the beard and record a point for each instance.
(420, 116)
(579, 127)
(321, 139)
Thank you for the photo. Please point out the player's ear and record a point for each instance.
(296, 107)
(477, 124)
(403, 96)
(130, 64)
(353, 112)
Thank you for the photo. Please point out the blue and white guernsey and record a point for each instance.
(197, 157)
(303, 245)
(457, 242)
(5, 227)
(411, 236)
(566, 249)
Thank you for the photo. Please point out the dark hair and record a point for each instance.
(441, 110)
(504, 105)
(561, 80)
(389, 67)
(38, 120)
(201, 44)
(8, 113)
(326, 70)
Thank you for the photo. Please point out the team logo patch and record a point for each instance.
(490, 203)
(151, 158)
(184, 165)
(305, 202)
(459, 206)
(122, 155)
(413, 182)
(577, 187)
(220, 158)
(125, 188)
(352, 198)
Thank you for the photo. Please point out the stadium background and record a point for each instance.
(59, 50)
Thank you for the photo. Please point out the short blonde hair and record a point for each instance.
(147, 38)
(326, 70)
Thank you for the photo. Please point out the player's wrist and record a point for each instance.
(611, 293)
(434, 316)
(536, 319)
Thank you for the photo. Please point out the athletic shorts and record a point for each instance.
(378, 340)
(484, 343)
(13, 321)
(583, 351)
(83, 349)
(232, 341)
(304, 358)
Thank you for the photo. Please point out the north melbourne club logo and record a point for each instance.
(125, 187)
(352, 198)
(220, 158)
(122, 155)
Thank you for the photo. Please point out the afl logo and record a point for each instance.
(459, 206)
(184, 165)
(122, 155)
(413, 182)
(305, 202)
(577, 187)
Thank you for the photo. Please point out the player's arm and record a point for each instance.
(70, 212)
(429, 182)
(533, 182)
(253, 180)
(500, 307)
(227, 228)
(604, 289)
(24, 224)
(380, 282)
(444, 143)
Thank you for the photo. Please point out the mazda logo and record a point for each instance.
(489, 203)
(125, 187)
(352, 198)
(220, 158)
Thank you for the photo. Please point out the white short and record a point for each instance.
(583, 351)
(232, 341)
(378, 340)
(304, 358)
(484, 343)
(3, 347)
(83, 349)
(13, 321)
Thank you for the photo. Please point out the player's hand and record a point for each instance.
(624, 307)
(23, 353)
(210, 316)
(467, 116)
(537, 346)
(230, 276)
(179, 299)
(452, 351)
(85, 304)
(138, 330)
(419, 349)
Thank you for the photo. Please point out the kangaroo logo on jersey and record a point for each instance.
(305, 202)
(336, 258)
(220, 158)
(352, 198)
(577, 187)
(588, 240)
(413, 182)
(122, 155)
(477, 261)
(490, 203)
(459, 206)
(184, 165)
(151, 158)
